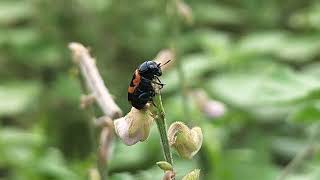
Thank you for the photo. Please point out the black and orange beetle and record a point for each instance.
(141, 89)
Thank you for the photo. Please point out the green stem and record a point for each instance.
(162, 127)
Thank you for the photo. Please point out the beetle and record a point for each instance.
(141, 88)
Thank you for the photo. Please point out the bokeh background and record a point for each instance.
(257, 58)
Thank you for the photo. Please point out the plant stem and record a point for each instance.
(95, 85)
(162, 127)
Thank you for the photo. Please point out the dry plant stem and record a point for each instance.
(162, 127)
(96, 87)
(94, 81)
(301, 156)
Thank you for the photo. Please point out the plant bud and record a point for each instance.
(209, 107)
(213, 109)
(164, 165)
(134, 127)
(186, 141)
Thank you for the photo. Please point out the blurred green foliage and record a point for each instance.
(258, 57)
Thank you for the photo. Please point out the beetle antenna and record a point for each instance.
(160, 65)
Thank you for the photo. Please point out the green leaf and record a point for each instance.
(244, 163)
(301, 48)
(268, 90)
(286, 46)
(307, 113)
(56, 169)
(217, 14)
(193, 67)
(18, 97)
(262, 42)
(13, 11)
(288, 147)
(18, 137)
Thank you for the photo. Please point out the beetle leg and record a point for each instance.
(158, 83)
(153, 103)
(161, 84)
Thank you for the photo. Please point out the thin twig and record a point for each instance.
(101, 95)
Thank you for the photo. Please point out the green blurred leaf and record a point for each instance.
(18, 137)
(252, 86)
(14, 11)
(262, 42)
(18, 97)
(300, 48)
(307, 18)
(217, 14)
(193, 67)
(245, 164)
(308, 113)
(17, 147)
(56, 169)
(266, 92)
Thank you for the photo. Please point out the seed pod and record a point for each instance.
(187, 142)
(193, 175)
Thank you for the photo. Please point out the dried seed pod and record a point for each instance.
(186, 141)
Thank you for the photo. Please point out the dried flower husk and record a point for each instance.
(134, 127)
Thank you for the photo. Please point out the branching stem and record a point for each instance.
(95, 85)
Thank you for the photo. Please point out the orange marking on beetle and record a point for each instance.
(135, 81)
(131, 89)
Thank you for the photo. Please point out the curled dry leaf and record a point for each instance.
(187, 142)
(134, 127)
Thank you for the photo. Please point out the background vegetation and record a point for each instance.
(258, 57)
